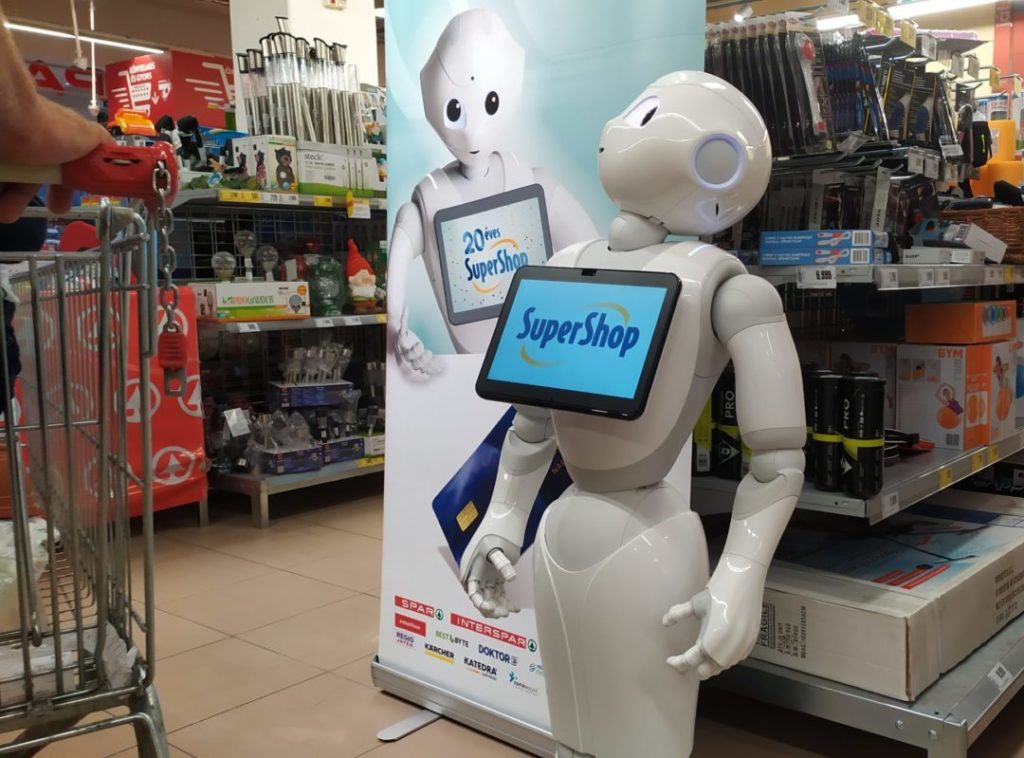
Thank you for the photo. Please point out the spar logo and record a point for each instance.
(451, 639)
(439, 653)
(415, 606)
(411, 625)
(600, 329)
(499, 655)
(509, 638)
(486, 670)
(490, 256)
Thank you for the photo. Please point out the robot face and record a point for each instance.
(472, 85)
(691, 152)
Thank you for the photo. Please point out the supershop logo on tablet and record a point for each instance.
(593, 331)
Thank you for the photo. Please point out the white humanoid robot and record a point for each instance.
(628, 620)
(471, 85)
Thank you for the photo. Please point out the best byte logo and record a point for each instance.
(593, 331)
(488, 255)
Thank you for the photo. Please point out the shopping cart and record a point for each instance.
(69, 610)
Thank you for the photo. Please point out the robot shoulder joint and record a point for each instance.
(744, 301)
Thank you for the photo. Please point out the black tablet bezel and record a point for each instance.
(529, 192)
(583, 402)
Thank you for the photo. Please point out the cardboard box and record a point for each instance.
(347, 449)
(374, 444)
(282, 395)
(876, 357)
(942, 255)
(892, 611)
(961, 323)
(251, 301)
(323, 169)
(976, 238)
(844, 256)
(957, 396)
(272, 159)
(835, 239)
(296, 461)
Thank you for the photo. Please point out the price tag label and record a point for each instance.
(359, 208)
(942, 277)
(977, 462)
(1000, 677)
(956, 65)
(926, 277)
(929, 46)
(952, 151)
(816, 277)
(382, 318)
(886, 25)
(945, 477)
(853, 143)
(908, 32)
(282, 198)
(890, 504)
(248, 326)
(973, 66)
(888, 278)
(992, 453)
(915, 161)
(866, 13)
(993, 275)
(323, 201)
(375, 460)
(324, 322)
(993, 77)
(237, 422)
(1008, 275)
(931, 165)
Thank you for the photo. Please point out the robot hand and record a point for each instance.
(415, 360)
(484, 574)
(729, 609)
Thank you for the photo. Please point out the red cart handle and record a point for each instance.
(125, 172)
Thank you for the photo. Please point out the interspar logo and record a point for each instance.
(509, 638)
(414, 606)
(411, 625)
(485, 670)
(593, 331)
(439, 653)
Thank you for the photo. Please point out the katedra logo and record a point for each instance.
(593, 331)
(489, 255)
(484, 669)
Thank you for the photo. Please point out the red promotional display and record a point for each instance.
(173, 83)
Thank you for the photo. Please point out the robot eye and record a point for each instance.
(642, 112)
(491, 103)
(455, 116)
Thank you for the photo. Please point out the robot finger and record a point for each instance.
(677, 613)
(688, 661)
(504, 566)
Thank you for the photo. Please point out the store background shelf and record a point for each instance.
(905, 483)
(256, 197)
(898, 276)
(318, 322)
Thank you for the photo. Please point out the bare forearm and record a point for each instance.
(18, 96)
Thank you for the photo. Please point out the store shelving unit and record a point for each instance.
(320, 322)
(258, 197)
(944, 720)
(259, 487)
(892, 276)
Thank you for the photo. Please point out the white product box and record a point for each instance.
(374, 444)
(251, 301)
(272, 159)
(890, 613)
(876, 357)
(324, 169)
(943, 255)
(976, 238)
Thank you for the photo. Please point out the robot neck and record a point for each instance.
(474, 171)
(632, 232)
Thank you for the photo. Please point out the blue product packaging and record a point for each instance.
(281, 395)
(347, 449)
(844, 256)
(462, 502)
(832, 239)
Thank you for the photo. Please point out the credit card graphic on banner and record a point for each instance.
(461, 505)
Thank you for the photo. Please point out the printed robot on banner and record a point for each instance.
(628, 619)
(472, 85)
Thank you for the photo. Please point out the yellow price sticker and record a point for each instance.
(993, 77)
(908, 32)
(886, 26)
(993, 453)
(382, 318)
(323, 201)
(1008, 276)
(945, 476)
(977, 462)
(227, 196)
(375, 460)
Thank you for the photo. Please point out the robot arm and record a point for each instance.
(489, 559)
(406, 246)
(569, 222)
(748, 318)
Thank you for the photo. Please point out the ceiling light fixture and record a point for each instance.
(924, 7)
(66, 35)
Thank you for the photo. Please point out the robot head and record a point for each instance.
(691, 152)
(472, 85)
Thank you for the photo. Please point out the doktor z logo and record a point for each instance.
(490, 256)
(597, 330)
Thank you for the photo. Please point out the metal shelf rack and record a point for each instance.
(896, 276)
(317, 322)
(259, 487)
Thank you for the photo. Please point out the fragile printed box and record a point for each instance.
(323, 169)
(957, 396)
(270, 158)
(251, 301)
(876, 358)
(961, 323)
(893, 610)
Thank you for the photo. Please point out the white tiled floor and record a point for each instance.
(265, 640)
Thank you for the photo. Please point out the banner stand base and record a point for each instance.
(444, 703)
(405, 727)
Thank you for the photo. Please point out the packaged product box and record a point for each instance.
(840, 256)
(374, 444)
(251, 301)
(961, 323)
(820, 240)
(941, 255)
(272, 159)
(890, 611)
(323, 169)
(875, 357)
(282, 395)
(976, 238)
(345, 449)
(957, 396)
(1003, 478)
